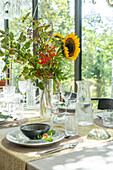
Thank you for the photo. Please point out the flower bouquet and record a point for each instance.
(44, 61)
(51, 51)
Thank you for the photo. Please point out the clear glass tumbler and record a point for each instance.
(108, 118)
(71, 124)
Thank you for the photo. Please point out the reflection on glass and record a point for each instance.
(22, 88)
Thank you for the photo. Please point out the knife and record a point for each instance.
(10, 124)
(53, 150)
(99, 117)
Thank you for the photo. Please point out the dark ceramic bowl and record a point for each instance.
(34, 130)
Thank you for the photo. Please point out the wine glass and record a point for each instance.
(22, 88)
(66, 94)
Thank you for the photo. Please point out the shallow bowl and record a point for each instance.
(33, 131)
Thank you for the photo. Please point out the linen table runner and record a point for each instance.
(15, 157)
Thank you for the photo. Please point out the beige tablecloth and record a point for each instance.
(15, 157)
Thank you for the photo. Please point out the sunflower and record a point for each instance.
(58, 35)
(71, 43)
(66, 52)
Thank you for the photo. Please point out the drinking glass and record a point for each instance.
(22, 88)
(71, 125)
(54, 107)
(9, 92)
(18, 108)
(108, 118)
(66, 94)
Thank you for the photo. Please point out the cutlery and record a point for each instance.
(48, 151)
(100, 117)
(10, 124)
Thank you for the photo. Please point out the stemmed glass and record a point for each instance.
(22, 88)
(66, 94)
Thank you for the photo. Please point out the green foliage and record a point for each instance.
(47, 60)
(4, 116)
(97, 56)
(59, 20)
(51, 132)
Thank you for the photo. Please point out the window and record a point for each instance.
(60, 15)
(97, 46)
(2, 75)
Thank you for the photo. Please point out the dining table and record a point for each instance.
(88, 154)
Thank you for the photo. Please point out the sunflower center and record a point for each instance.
(70, 45)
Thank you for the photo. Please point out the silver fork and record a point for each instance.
(48, 151)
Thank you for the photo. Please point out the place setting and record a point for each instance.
(35, 135)
(48, 135)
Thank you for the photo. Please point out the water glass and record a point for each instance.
(9, 93)
(54, 107)
(18, 110)
(108, 118)
(22, 88)
(71, 124)
(17, 107)
(30, 95)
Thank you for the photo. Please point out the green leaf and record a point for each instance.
(25, 69)
(27, 45)
(41, 86)
(49, 139)
(22, 37)
(1, 35)
(24, 18)
(7, 62)
(7, 31)
(4, 46)
(18, 46)
(1, 53)
(4, 41)
(27, 77)
(1, 31)
(11, 35)
(51, 132)
(5, 116)
(5, 68)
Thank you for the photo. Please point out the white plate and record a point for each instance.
(19, 138)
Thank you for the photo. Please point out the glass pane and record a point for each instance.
(60, 15)
(2, 75)
(97, 46)
(15, 25)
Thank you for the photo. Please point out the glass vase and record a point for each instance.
(83, 104)
(45, 99)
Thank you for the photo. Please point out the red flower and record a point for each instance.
(46, 58)
(54, 48)
(38, 73)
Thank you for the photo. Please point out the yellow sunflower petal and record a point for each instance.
(58, 35)
(66, 52)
